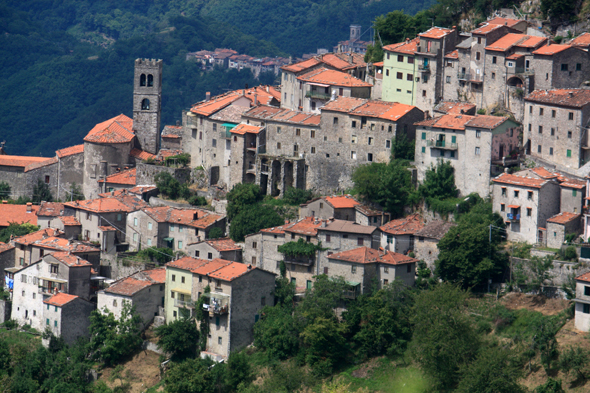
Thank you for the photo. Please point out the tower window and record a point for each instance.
(142, 80)
(145, 104)
(150, 80)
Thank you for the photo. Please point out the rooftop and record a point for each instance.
(50, 209)
(342, 201)
(60, 299)
(332, 78)
(196, 218)
(348, 227)
(246, 128)
(403, 226)
(506, 178)
(366, 255)
(503, 21)
(392, 111)
(564, 218)
(20, 161)
(572, 98)
(302, 65)
(307, 226)
(283, 115)
(408, 47)
(198, 266)
(111, 203)
(436, 32)
(583, 40)
(460, 122)
(231, 271)
(129, 286)
(225, 244)
(584, 277)
(486, 28)
(69, 151)
(435, 229)
(33, 237)
(59, 243)
(119, 129)
(17, 213)
(516, 40)
(173, 132)
(5, 247)
(70, 260)
(217, 103)
(455, 108)
(142, 155)
(126, 177)
(550, 50)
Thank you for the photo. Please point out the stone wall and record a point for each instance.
(146, 173)
(560, 272)
(100, 160)
(5, 310)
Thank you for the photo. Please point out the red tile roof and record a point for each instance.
(564, 218)
(196, 218)
(460, 122)
(307, 226)
(60, 299)
(33, 237)
(506, 178)
(378, 64)
(406, 47)
(455, 108)
(50, 209)
(343, 61)
(543, 173)
(550, 50)
(583, 40)
(246, 128)
(489, 122)
(342, 201)
(70, 260)
(280, 230)
(217, 103)
(518, 40)
(5, 247)
(366, 255)
(232, 271)
(20, 161)
(436, 32)
(403, 226)
(392, 111)
(198, 266)
(486, 28)
(514, 56)
(584, 277)
(129, 286)
(573, 98)
(119, 203)
(174, 132)
(332, 78)
(225, 244)
(302, 65)
(348, 227)
(142, 155)
(453, 55)
(36, 165)
(58, 243)
(503, 21)
(127, 177)
(107, 228)
(17, 213)
(283, 115)
(69, 220)
(69, 151)
(119, 129)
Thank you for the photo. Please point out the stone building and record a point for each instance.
(360, 267)
(454, 108)
(263, 248)
(399, 235)
(6, 259)
(400, 72)
(525, 203)
(172, 137)
(47, 212)
(582, 301)
(147, 103)
(560, 66)
(224, 248)
(118, 181)
(23, 253)
(143, 290)
(560, 225)
(426, 241)
(67, 316)
(555, 124)
(343, 207)
(237, 294)
(170, 227)
(478, 147)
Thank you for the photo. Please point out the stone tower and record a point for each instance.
(147, 98)
(355, 32)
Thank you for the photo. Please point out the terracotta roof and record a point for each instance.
(141, 189)
(436, 32)
(366, 255)
(264, 112)
(142, 155)
(246, 128)
(550, 50)
(196, 218)
(406, 47)
(573, 98)
(70, 260)
(483, 121)
(129, 286)
(564, 218)
(506, 178)
(503, 21)
(18, 214)
(452, 55)
(435, 229)
(127, 177)
(69, 221)
(5, 247)
(232, 271)
(275, 230)
(343, 61)
(519, 40)
(225, 244)
(460, 122)
(332, 78)
(198, 266)
(367, 211)
(33, 237)
(118, 203)
(107, 228)
(302, 65)
(455, 108)
(403, 226)
(59, 243)
(342, 201)
(217, 103)
(348, 227)
(172, 132)
(486, 28)
(306, 226)
(543, 173)
(514, 56)
(584, 277)
(378, 64)
(583, 40)
(119, 129)
(69, 151)
(20, 161)
(50, 209)
(392, 111)
(36, 165)
(60, 299)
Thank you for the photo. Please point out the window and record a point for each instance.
(539, 148)
(149, 242)
(150, 226)
(510, 64)
(278, 145)
(253, 260)
(423, 149)
(503, 191)
(569, 135)
(359, 241)
(312, 150)
(135, 238)
(587, 291)
(586, 308)
(477, 56)
(254, 245)
(297, 132)
(386, 72)
(516, 193)
(335, 121)
(479, 40)
(370, 141)
(197, 254)
(370, 157)
(150, 80)
(569, 153)
(219, 339)
(564, 67)
(174, 314)
(530, 195)
(209, 255)
(173, 277)
(388, 144)
(353, 155)
(477, 151)
(354, 124)
(423, 93)
(141, 83)
(278, 130)
(493, 75)
(552, 131)
(353, 269)
(409, 268)
(145, 104)
(448, 79)
(494, 59)
(410, 77)
(502, 207)
(400, 75)
(400, 58)
(550, 151)
(410, 60)
(47, 321)
(385, 269)
(325, 270)
(570, 116)
(578, 66)
(477, 134)
(182, 279)
(115, 303)
(540, 111)
(328, 238)
(574, 192)
(529, 212)
(135, 221)
(540, 129)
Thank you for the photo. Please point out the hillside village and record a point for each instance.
(503, 104)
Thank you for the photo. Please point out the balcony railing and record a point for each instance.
(442, 145)
(251, 169)
(184, 303)
(225, 134)
(218, 303)
(466, 76)
(317, 95)
(424, 67)
(513, 216)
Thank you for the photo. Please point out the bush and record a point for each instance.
(196, 200)
(297, 196)
(216, 233)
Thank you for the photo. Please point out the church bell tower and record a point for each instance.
(147, 99)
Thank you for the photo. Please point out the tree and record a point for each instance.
(216, 233)
(557, 10)
(179, 338)
(241, 197)
(167, 185)
(492, 372)
(191, 376)
(444, 341)
(439, 182)
(424, 277)
(575, 359)
(16, 230)
(402, 148)
(75, 193)
(324, 344)
(389, 185)
(297, 196)
(467, 257)
(533, 273)
(41, 192)
(276, 333)
(239, 371)
(251, 220)
(5, 190)
(544, 332)
(551, 386)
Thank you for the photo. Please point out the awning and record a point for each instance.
(229, 125)
(353, 283)
(168, 239)
(513, 206)
(318, 84)
(180, 290)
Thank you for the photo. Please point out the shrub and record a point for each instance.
(196, 200)
(216, 233)
(297, 196)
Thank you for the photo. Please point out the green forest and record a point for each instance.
(67, 65)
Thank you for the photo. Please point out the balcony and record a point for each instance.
(218, 303)
(252, 147)
(225, 134)
(317, 95)
(442, 145)
(251, 169)
(184, 303)
(261, 149)
(513, 216)
(264, 169)
(424, 67)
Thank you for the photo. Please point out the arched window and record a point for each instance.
(142, 80)
(150, 80)
(145, 104)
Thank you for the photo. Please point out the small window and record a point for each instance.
(553, 113)
(400, 75)
(410, 60)
(370, 157)
(410, 77)
(539, 149)
(530, 195)
(313, 150)
(353, 155)
(540, 111)
(400, 58)
(578, 66)
(353, 269)
(388, 144)
(516, 193)
(360, 241)
(477, 134)
(570, 116)
(135, 221)
(209, 255)
(530, 127)
(173, 277)
(297, 132)
(385, 269)
(477, 151)
(182, 279)
(263, 301)
(197, 253)
(552, 131)
(409, 268)
(477, 56)
(386, 72)
(278, 130)
(564, 67)
(253, 260)
(502, 207)
(278, 145)
(115, 303)
(354, 124)
(328, 238)
(540, 129)
(586, 308)
(530, 109)
(586, 291)
(529, 212)
(569, 135)
(219, 339)
(145, 104)
(494, 59)
(550, 151)
(335, 121)
(493, 75)
(47, 321)
(574, 192)
(423, 149)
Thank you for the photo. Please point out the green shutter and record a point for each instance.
(423, 149)
(574, 192)
(423, 135)
(453, 139)
(569, 153)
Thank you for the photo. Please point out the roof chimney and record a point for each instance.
(571, 93)
(426, 115)
(208, 96)
(267, 88)
(29, 207)
(255, 99)
(4, 202)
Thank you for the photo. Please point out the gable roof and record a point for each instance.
(70, 260)
(583, 40)
(129, 286)
(564, 218)
(196, 218)
(348, 227)
(283, 115)
(224, 244)
(435, 229)
(69, 221)
(33, 237)
(5, 247)
(550, 50)
(572, 98)
(50, 209)
(60, 299)
(455, 108)
(507, 178)
(486, 28)
(513, 39)
(391, 111)
(142, 155)
(503, 21)
(460, 122)
(307, 226)
(332, 78)
(69, 151)
(342, 201)
(111, 203)
(20, 161)
(59, 243)
(301, 66)
(127, 177)
(366, 255)
(436, 32)
(173, 132)
(18, 214)
(408, 47)
(246, 128)
(584, 277)
(119, 129)
(403, 226)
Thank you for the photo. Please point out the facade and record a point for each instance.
(478, 147)
(147, 97)
(237, 294)
(555, 126)
(426, 241)
(560, 66)
(67, 316)
(582, 301)
(525, 203)
(399, 235)
(559, 226)
(223, 248)
(118, 181)
(145, 291)
(399, 70)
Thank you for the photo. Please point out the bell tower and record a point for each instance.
(147, 98)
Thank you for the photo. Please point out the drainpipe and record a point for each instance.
(58, 175)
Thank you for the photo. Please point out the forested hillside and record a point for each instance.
(66, 65)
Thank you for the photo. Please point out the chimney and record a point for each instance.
(426, 115)
(4, 202)
(208, 96)
(29, 207)
(249, 267)
(571, 93)
(255, 99)
(267, 89)
(548, 42)
(196, 215)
